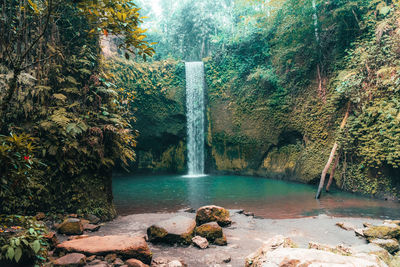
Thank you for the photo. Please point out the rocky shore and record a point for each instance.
(213, 236)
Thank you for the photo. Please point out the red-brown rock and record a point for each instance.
(71, 260)
(135, 263)
(124, 246)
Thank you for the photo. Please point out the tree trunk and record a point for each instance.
(332, 155)
(328, 186)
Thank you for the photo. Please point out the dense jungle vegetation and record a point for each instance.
(294, 77)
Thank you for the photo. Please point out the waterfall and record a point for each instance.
(195, 117)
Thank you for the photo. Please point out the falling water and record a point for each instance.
(195, 117)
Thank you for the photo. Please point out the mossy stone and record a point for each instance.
(211, 231)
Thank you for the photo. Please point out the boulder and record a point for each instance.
(71, 226)
(346, 226)
(177, 230)
(124, 246)
(135, 263)
(213, 214)
(384, 231)
(71, 260)
(391, 245)
(210, 230)
(200, 242)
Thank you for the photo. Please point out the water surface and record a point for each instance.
(265, 197)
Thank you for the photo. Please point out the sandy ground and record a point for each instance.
(245, 235)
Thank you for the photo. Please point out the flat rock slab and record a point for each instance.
(179, 229)
(125, 246)
(312, 257)
(71, 260)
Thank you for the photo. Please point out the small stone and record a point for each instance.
(200, 242)
(71, 260)
(346, 226)
(91, 258)
(72, 215)
(91, 227)
(118, 262)
(71, 226)
(135, 263)
(110, 257)
(175, 263)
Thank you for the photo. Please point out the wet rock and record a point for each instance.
(391, 245)
(71, 260)
(346, 226)
(178, 230)
(135, 263)
(124, 246)
(71, 226)
(91, 227)
(211, 231)
(200, 242)
(385, 231)
(217, 214)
